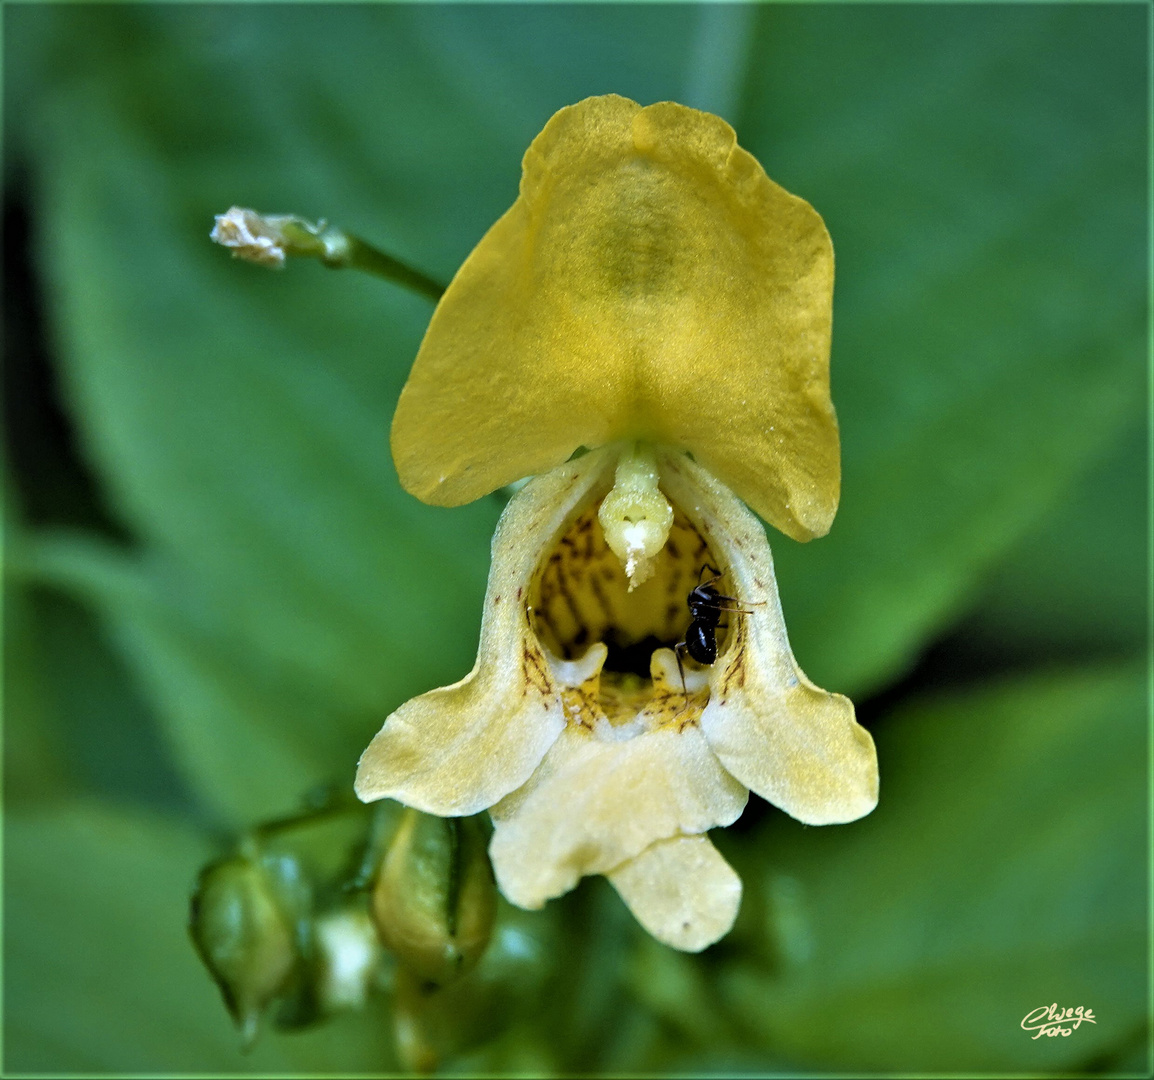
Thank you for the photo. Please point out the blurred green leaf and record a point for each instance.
(250, 737)
(1077, 583)
(74, 721)
(1005, 868)
(99, 973)
(699, 1037)
(982, 173)
(674, 986)
(35, 766)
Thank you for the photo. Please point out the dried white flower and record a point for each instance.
(253, 237)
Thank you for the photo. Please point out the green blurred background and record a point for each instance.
(216, 589)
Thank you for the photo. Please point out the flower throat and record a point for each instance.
(581, 595)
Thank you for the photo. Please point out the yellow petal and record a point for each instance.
(682, 891)
(598, 800)
(459, 749)
(791, 742)
(649, 282)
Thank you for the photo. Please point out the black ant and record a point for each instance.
(706, 605)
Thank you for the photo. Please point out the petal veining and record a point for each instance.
(459, 749)
(791, 742)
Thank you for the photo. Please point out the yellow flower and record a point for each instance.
(651, 294)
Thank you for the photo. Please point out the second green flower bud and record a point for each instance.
(434, 900)
(246, 937)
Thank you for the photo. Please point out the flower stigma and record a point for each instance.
(635, 516)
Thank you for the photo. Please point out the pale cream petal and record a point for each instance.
(459, 749)
(682, 891)
(791, 742)
(598, 801)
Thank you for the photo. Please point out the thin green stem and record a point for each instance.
(358, 255)
(268, 239)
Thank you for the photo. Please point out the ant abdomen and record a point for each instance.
(701, 642)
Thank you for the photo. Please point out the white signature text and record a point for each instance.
(1050, 1020)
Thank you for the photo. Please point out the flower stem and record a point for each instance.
(267, 239)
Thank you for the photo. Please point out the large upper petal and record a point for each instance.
(649, 282)
(796, 745)
(459, 749)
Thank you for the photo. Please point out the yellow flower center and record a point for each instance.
(580, 596)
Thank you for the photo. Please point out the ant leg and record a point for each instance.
(677, 651)
(721, 603)
(717, 604)
(706, 566)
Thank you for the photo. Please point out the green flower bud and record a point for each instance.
(245, 937)
(434, 900)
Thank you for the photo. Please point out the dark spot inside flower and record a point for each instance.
(631, 656)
